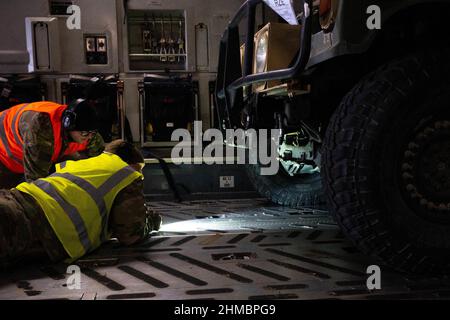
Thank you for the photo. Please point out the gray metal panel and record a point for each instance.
(13, 61)
(202, 48)
(43, 44)
(97, 17)
(215, 14)
(13, 47)
(131, 101)
(200, 180)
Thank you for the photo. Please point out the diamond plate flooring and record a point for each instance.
(229, 249)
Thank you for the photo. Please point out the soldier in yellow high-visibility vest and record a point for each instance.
(73, 211)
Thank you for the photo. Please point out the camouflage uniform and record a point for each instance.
(16, 234)
(36, 131)
(26, 233)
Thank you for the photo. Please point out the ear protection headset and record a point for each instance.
(69, 116)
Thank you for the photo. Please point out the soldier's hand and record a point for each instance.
(153, 220)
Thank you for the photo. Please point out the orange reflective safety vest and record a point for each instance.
(11, 143)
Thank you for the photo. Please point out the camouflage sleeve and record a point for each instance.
(38, 143)
(95, 147)
(128, 218)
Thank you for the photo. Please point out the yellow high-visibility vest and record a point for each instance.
(78, 197)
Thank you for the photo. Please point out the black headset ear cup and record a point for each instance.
(68, 119)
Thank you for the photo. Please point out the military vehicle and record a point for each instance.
(360, 91)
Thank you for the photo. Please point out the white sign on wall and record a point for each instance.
(226, 181)
(284, 8)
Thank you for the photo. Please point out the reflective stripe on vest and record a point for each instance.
(98, 194)
(70, 210)
(15, 128)
(115, 179)
(77, 199)
(92, 192)
(5, 139)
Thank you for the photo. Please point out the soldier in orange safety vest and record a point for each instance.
(34, 136)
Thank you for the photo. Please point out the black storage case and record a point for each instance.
(104, 91)
(15, 90)
(169, 104)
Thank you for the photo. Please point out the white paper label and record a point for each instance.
(284, 8)
(227, 181)
(155, 3)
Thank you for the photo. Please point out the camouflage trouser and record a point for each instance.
(16, 236)
(9, 179)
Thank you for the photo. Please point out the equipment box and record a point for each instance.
(168, 102)
(15, 90)
(107, 93)
(156, 40)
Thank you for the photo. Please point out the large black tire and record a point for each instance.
(386, 163)
(294, 192)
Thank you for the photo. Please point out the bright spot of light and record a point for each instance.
(189, 225)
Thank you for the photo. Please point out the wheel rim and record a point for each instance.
(425, 172)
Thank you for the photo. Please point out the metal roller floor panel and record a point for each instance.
(230, 249)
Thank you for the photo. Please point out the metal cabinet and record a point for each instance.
(17, 89)
(157, 40)
(107, 94)
(167, 103)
